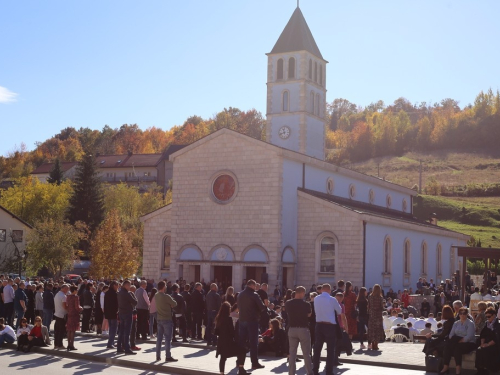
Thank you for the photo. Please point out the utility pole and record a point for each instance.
(420, 179)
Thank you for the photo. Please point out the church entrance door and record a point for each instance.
(255, 273)
(223, 274)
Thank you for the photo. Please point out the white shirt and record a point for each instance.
(101, 299)
(411, 320)
(487, 297)
(419, 324)
(60, 309)
(497, 297)
(325, 307)
(8, 331)
(434, 323)
(397, 321)
(8, 294)
(476, 297)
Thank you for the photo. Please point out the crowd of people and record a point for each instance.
(253, 320)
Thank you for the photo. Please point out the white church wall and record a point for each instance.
(375, 239)
(316, 179)
(315, 137)
(292, 178)
(293, 89)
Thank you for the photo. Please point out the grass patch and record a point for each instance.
(489, 236)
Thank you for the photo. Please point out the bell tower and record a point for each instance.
(296, 90)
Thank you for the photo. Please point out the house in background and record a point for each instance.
(43, 171)
(140, 170)
(13, 232)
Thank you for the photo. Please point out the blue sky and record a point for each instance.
(155, 63)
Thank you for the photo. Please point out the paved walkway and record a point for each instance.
(196, 358)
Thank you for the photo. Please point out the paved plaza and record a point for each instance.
(92, 356)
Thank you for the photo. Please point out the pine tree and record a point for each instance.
(87, 203)
(56, 175)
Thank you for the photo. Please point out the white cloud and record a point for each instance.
(7, 96)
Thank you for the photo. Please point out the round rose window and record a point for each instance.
(224, 187)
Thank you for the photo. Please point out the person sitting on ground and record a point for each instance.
(22, 335)
(7, 334)
(39, 335)
(427, 329)
(273, 340)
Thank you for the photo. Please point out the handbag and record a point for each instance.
(433, 364)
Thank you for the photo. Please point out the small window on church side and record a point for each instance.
(407, 257)
(316, 105)
(280, 69)
(311, 102)
(387, 256)
(330, 185)
(166, 253)
(327, 259)
(439, 267)
(291, 67)
(423, 267)
(388, 201)
(352, 191)
(405, 205)
(286, 101)
(371, 196)
(310, 69)
(315, 72)
(321, 75)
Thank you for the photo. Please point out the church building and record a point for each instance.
(275, 211)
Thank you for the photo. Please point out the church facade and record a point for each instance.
(276, 211)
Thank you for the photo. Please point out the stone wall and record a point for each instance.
(253, 217)
(316, 217)
(156, 227)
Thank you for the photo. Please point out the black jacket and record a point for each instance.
(88, 299)
(126, 302)
(48, 300)
(187, 298)
(181, 304)
(197, 302)
(250, 305)
(110, 304)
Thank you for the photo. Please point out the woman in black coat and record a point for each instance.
(488, 352)
(435, 343)
(227, 345)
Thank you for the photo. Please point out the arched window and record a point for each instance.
(166, 253)
(423, 265)
(286, 101)
(327, 255)
(321, 75)
(352, 191)
(388, 201)
(387, 255)
(315, 72)
(291, 67)
(371, 196)
(280, 69)
(439, 261)
(316, 105)
(311, 102)
(310, 69)
(407, 257)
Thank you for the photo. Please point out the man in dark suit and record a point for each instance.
(197, 308)
(402, 330)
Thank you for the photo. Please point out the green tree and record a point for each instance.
(86, 203)
(56, 175)
(34, 201)
(112, 252)
(52, 244)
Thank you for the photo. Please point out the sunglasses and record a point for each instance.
(462, 313)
